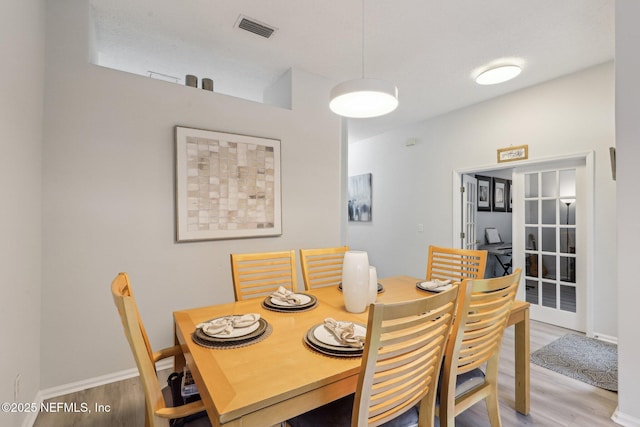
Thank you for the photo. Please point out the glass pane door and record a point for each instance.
(550, 244)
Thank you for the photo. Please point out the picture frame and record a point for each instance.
(509, 196)
(500, 198)
(484, 193)
(360, 206)
(227, 186)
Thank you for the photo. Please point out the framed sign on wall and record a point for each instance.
(511, 154)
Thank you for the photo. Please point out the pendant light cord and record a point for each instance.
(363, 38)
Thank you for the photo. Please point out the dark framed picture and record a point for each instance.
(484, 193)
(360, 195)
(509, 196)
(500, 196)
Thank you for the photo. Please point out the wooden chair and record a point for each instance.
(158, 411)
(455, 264)
(481, 317)
(260, 274)
(322, 267)
(400, 367)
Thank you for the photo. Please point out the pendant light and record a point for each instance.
(362, 98)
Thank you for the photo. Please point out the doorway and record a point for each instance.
(552, 215)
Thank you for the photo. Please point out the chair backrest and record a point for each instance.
(455, 264)
(139, 343)
(322, 267)
(402, 358)
(484, 306)
(260, 274)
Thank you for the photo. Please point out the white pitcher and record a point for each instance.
(373, 285)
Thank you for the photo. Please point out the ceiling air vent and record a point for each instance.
(255, 27)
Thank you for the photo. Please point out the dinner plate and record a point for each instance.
(338, 348)
(325, 336)
(269, 304)
(237, 334)
(304, 299)
(205, 340)
(439, 289)
(380, 287)
(331, 352)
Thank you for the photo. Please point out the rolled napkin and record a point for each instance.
(226, 325)
(285, 295)
(435, 284)
(344, 332)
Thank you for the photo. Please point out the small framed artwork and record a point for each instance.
(227, 185)
(360, 194)
(509, 196)
(500, 196)
(484, 193)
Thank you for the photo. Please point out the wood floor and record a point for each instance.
(556, 400)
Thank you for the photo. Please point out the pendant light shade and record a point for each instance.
(362, 98)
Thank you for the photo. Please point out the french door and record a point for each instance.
(469, 202)
(551, 248)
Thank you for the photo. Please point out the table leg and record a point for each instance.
(522, 364)
(179, 361)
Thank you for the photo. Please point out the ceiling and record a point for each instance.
(429, 48)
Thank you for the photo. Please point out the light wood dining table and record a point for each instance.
(279, 377)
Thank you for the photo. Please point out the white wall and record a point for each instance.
(628, 176)
(109, 197)
(413, 184)
(21, 87)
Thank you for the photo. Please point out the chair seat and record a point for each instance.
(338, 413)
(196, 420)
(466, 382)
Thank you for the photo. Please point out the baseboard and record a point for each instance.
(77, 386)
(607, 338)
(625, 420)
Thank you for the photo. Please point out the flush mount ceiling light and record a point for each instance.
(498, 74)
(362, 98)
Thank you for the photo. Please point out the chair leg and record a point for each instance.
(449, 421)
(446, 418)
(494, 409)
(427, 411)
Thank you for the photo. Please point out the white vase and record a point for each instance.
(373, 285)
(355, 281)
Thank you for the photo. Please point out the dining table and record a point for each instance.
(279, 375)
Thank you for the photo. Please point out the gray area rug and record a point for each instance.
(586, 359)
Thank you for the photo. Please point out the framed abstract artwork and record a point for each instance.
(360, 194)
(227, 185)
